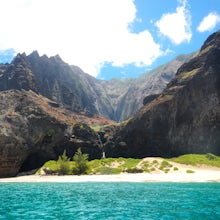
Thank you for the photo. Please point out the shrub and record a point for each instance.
(175, 168)
(145, 165)
(165, 165)
(210, 156)
(63, 164)
(147, 170)
(81, 162)
(166, 170)
(190, 171)
(134, 170)
(109, 170)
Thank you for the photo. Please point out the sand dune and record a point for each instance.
(200, 174)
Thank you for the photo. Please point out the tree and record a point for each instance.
(63, 164)
(81, 162)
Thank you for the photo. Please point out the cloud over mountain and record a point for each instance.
(209, 22)
(85, 33)
(176, 26)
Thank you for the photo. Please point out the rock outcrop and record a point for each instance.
(150, 83)
(46, 107)
(184, 118)
(33, 132)
(77, 91)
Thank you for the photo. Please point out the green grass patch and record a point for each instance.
(190, 171)
(109, 170)
(112, 165)
(134, 170)
(96, 128)
(152, 169)
(145, 165)
(155, 162)
(205, 50)
(190, 73)
(198, 159)
(165, 165)
(119, 165)
(52, 167)
(166, 170)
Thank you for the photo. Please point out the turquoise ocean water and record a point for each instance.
(110, 201)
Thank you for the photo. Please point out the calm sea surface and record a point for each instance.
(110, 201)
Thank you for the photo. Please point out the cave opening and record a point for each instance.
(34, 161)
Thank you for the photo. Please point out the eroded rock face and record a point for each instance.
(79, 92)
(32, 132)
(185, 118)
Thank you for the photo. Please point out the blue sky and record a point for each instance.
(107, 38)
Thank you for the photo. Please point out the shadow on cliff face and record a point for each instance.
(34, 161)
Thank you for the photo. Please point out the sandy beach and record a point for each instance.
(201, 174)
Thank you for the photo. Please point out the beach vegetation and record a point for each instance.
(190, 171)
(109, 170)
(198, 159)
(81, 162)
(81, 165)
(63, 165)
(167, 170)
(165, 166)
(152, 169)
(117, 165)
(155, 162)
(210, 156)
(134, 170)
(50, 167)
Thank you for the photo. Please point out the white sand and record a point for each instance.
(200, 175)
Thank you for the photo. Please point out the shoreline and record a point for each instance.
(199, 176)
(201, 173)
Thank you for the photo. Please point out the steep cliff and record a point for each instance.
(77, 91)
(150, 83)
(45, 104)
(33, 129)
(184, 118)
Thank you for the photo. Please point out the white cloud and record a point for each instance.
(176, 26)
(83, 32)
(209, 22)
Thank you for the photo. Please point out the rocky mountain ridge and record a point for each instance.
(46, 107)
(77, 91)
(44, 103)
(33, 130)
(184, 118)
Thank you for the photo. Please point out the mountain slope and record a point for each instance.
(184, 118)
(33, 130)
(79, 92)
(150, 83)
